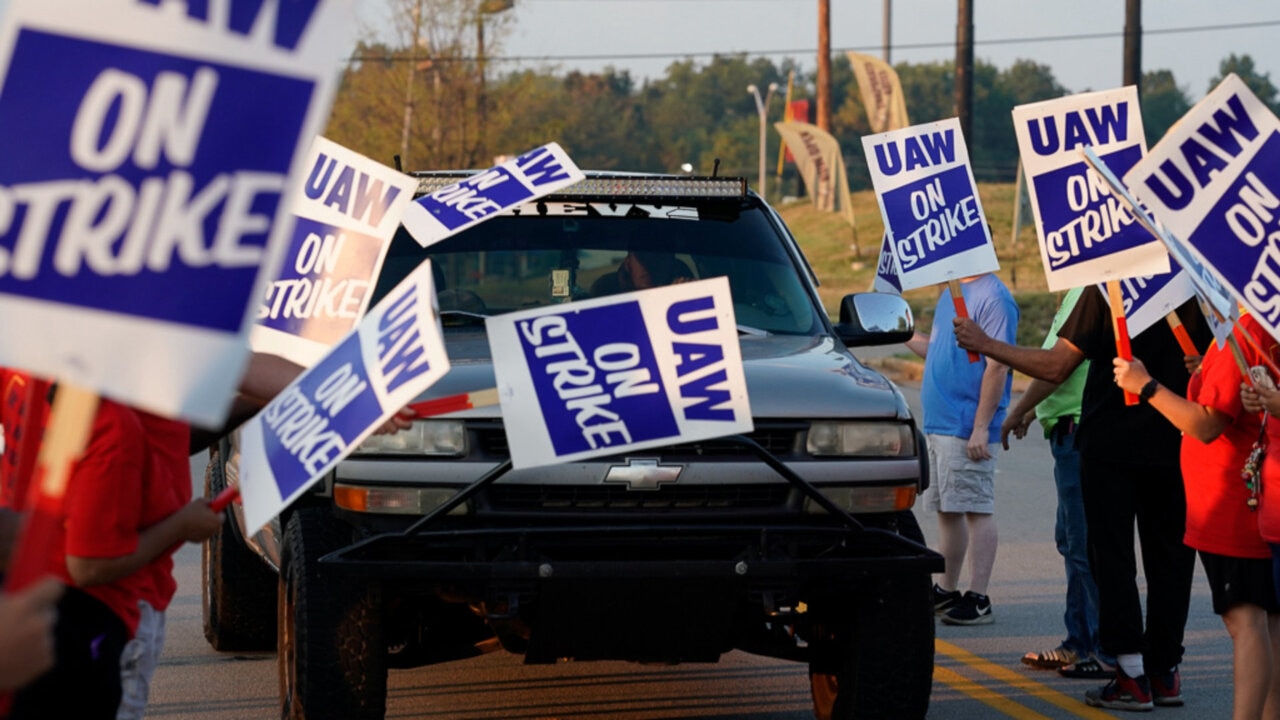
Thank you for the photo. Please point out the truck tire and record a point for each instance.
(332, 658)
(880, 663)
(238, 590)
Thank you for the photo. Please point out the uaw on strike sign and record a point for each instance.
(147, 150)
(395, 353)
(1087, 235)
(626, 372)
(1214, 182)
(346, 209)
(929, 201)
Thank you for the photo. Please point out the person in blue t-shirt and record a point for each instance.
(964, 406)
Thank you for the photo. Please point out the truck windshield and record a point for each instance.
(531, 260)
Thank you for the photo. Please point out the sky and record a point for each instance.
(645, 36)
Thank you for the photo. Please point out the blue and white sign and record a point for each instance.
(1203, 281)
(452, 209)
(930, 204)
(1148, 299)
(1086, 234)
(887, 270)
(620, 373)
(1214, 182)
(346, 209)
(144, 185)
(393, 355)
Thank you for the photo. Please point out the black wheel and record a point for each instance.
(332, 657)
(879, 663)
(238, 590)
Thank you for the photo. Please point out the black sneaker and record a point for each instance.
(944, 600)
(1122, 693)
(971, 609)
(1166, 688)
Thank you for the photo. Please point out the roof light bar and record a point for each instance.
(631, 185)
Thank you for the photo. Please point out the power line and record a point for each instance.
(810, 51)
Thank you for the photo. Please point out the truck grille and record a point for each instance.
(516, 498)
(782, 439)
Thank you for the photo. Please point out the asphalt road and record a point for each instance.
(977, 670)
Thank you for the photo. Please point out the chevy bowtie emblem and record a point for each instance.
(643, 473)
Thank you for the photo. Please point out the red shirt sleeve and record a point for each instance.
(103, 496)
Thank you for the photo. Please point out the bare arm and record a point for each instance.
(1022, 413)
(993, 378)
(1202, 423)
(1053, 364)
(195, 522)
(918, 344)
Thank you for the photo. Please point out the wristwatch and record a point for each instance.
(1148, 390)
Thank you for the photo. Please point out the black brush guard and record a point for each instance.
(646, 591)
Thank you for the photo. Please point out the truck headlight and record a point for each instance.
(446, 438)
(860, 499)
(864, 439)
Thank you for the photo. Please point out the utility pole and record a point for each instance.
(762, 109)
(408, 90)
(964, 69)
(885, 30)
(1133, 44)
(824, 65)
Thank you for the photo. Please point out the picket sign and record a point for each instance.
(620, 373)
(454, 208)
(145, 197)
(424, 409)
(1086, 234)
(346, 208)
(1204, 283)
(886, 279)
(1213, 181)
(930, 205)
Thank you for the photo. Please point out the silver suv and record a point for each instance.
(795, 541)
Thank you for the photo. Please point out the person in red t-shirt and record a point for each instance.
(125, 512)
(1218, 436)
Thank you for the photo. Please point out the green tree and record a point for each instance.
(1259, 82)
(1163, 103)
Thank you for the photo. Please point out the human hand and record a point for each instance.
(976, 449)
(1259, 399)
(197, 521)
(27, 618)
(1192, 363)
(1131, 375)
(402, 420)
(1015, 425)
(969, 334)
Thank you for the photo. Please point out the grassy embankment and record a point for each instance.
(827, 241)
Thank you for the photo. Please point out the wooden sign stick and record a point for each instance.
(957, 300)
(1180, 332)
(70, 422)
(1121, 328)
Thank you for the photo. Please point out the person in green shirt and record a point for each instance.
(1057, 407)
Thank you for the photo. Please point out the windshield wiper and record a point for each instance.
(461, 318)
(754, 331)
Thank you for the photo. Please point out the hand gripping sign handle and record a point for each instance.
(70, 423)
(427, 408)
(957, 299)
(1121, 328)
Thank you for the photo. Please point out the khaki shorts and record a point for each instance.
(958, 484)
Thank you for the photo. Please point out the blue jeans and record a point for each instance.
(1070, 533)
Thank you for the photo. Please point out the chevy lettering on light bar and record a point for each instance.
(654, 186)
